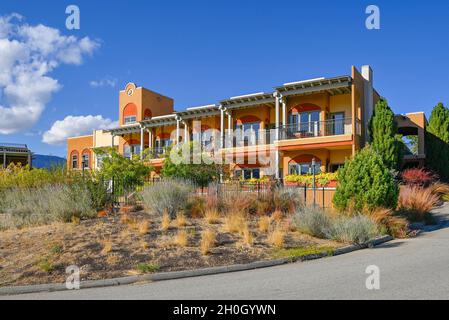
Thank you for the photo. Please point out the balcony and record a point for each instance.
(315, 129)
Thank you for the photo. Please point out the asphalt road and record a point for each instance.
(415, 268)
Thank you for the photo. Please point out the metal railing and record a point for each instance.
(316, 129)
(123, 193)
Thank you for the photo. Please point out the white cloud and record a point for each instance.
(74, 126)
(105, 82)
(28, 54)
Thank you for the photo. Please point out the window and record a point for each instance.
(338, 123)
(305, 122)
(309, 122)
(161, 144)
(304, 168)
(130, 150)
(247, 174)
(130, 119)
(85, 161)
(99, 158)
(249, 132)
(75, 161)
(334, 167)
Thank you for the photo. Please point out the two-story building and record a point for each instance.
(325, 119)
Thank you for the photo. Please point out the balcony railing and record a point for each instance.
(316, 129)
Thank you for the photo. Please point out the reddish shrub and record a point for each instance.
(418, 177)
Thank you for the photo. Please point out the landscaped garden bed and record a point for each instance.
(133, 243)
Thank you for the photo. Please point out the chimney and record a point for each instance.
(367, 74)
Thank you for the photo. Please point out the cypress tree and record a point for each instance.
(383, 133)
(439, 122)
(437, 141)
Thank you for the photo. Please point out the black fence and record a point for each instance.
(124, 193)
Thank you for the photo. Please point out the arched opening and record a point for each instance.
(74, 159)
(302, 165)
(129, 113)
(85, 159)
(304, 120)
(248, 128)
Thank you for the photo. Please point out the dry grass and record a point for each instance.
(107, 246)
(143, 227)
(395, 226)
(239, 201)
(235, 222)
(125, 219)
(416, 203)
(181, 220)
(212, 216)
(441, 190)
(212, 199)
(208, 240)
(165, 222)
(247, 236)
(277, 236)
(181, 239)
(112, 260)
(263, 208)
(144, 245)
(277, 215)
(264, 223)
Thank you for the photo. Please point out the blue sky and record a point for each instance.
(199, 52)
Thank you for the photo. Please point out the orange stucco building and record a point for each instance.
(324, 119)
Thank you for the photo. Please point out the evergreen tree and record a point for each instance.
(439, 122)
(384, 137)
(365, 183)
(437, 141)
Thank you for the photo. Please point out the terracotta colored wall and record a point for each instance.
(144, 99)
(79, 144)
(260, 112)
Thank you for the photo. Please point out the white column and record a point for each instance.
(150, 138)
(222, 111)
(277, 156)
(178, 120)
(284, 112)
(186, 132)
(4, 159)
(230, 128)
(112, 141)
(142, 131)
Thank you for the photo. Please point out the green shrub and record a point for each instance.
(357, 229)
(22, 207)
(365, 183)
(167, 195)
(312, 221)
(17, 176)
(200, 173)
(148, 267)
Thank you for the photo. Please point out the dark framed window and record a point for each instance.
(74, 161)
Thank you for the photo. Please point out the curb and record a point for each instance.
(16, 290)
